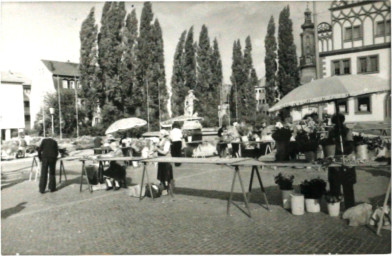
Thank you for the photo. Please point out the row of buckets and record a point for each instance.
(297, 203)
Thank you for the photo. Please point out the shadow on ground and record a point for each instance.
(13, 210)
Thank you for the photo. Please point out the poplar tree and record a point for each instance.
(189, 63)
(288, 73)
(270, 62)
(203, 90)
(178, 77)
(128, 70)
(144, 58)
(158, 83)
(248, 91)
(88, 61)
(238, 81)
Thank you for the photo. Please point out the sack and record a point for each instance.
(92, 174)
(358, 215)
(156, 191)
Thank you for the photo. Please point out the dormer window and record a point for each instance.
(65, 84)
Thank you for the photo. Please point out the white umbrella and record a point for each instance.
(125, 124)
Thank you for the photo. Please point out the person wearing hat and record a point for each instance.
(342, 176)
(165, 170)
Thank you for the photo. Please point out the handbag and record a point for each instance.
(156, 190)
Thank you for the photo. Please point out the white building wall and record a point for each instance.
(368, 31)
(11, 106)
(384, 58)
(42, 83)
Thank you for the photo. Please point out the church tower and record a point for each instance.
(308, 59)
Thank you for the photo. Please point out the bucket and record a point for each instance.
(189, 138)
(329, 150)
(135, 164)
(310, 156)
(333, 209)
(362, 152)
(282, 150)
(312, 205)
(286, 198)
(297, 204)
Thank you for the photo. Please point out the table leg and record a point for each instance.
(65, 174)
(33, 163)
(231, 192)
(81, 176)
(142, 182)
(251, 182)
(262, 187)
(383, 207)
(243, 190)
(61, 161)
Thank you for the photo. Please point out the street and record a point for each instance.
(193, 222)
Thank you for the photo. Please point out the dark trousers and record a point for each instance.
(176, 150)
(235, 149)
(48, 164)
(345, 177)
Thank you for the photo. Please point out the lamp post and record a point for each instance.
(51, 110)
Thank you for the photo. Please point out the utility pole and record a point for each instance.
(76, 108)
(58, 93)
(316, 42)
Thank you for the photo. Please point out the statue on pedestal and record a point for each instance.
(188, 104)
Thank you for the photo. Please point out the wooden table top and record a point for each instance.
(191, 160)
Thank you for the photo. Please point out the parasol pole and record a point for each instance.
(148, 107)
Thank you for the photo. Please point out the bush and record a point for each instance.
(314, 189)
(284, 182)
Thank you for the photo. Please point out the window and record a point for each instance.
(341, 67)
(27, 118)
(353, 33)
(342, 105)
(65, 84)
(363, 104)
(26, 104)
(72, 84)
(383, 28)
(368, 64)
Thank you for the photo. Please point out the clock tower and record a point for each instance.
(308, 58)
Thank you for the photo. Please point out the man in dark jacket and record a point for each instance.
(47, 154)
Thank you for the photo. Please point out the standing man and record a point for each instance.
(343, 176)
(47, 154)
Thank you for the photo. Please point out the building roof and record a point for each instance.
(14, 77)
(62, 68)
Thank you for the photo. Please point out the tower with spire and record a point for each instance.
(308, 58)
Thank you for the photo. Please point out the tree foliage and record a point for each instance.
(88, 62)
(270, 62)
(288, 73)
(178, 77)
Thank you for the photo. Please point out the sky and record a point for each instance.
(31, 31)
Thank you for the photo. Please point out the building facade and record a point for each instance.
(15, 113)
(50, 77)
(261, 99)
(357, 41)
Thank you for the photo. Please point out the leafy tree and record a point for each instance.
(158, 83)
(189, 65)
(270, 62)
(68, 114)
(88, 61)
(178, 76)
(251, 82)
(128, 71)
(144, 55)
(288, 73)
(238, 80)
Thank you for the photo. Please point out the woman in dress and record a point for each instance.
(165, 170)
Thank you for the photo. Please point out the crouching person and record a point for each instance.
(115, 176)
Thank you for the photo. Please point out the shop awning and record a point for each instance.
(331, 88)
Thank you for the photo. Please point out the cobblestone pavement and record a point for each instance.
(193, 222)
